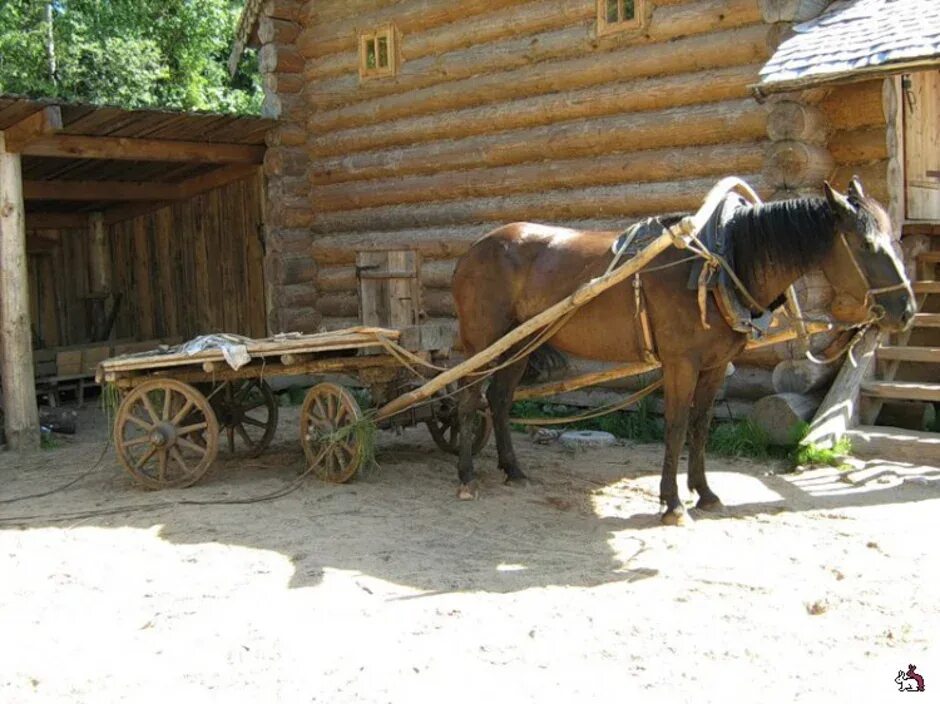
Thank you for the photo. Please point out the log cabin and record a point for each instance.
(422, 124)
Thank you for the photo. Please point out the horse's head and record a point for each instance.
(863, 266)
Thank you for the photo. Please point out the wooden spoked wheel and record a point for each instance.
(247, 410)
(332, 445)
(166, 434)
(445, 427)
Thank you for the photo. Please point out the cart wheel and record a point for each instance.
(166, 434)
(333, 454)
(445, 428)
(247, 408)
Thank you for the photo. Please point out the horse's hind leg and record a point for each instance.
(679, 380)
(709, 382)
(469, 402)
(499, 394)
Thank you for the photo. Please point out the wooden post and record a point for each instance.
(21, 415)
(99, 275)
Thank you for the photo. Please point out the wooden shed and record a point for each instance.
(121, 227)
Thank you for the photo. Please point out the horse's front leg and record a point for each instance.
(679, 379)
(469, 401)
(709, 383)
(499, 395)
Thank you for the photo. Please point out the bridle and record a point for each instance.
(875, 309)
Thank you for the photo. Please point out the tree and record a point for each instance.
(131, 53)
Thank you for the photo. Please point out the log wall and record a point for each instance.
(191, 268)
(501, 110)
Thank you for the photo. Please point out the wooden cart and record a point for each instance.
(176, 409)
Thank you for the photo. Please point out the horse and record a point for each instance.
(518, 270)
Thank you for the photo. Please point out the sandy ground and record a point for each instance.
(816, 586)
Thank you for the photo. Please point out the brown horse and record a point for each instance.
(519, 270)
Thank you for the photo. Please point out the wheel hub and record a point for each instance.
(162, 435)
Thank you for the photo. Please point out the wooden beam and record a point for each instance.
(85, 147)
(42, 123)
(99, 190)
(21, 415)
(55, 221)
(215, 179)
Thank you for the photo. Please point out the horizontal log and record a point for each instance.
(276, 31)
(857, 146)
(42, 123)
(438, 302)
(287, 270)
(280, 58)
(292, 10)
(434, 274)
(547, 206)
(432, 243)
(853, 106)
(793, 164)
(287, 135)
(646, 166)
(410, 18)
(512, 21)
(735, 47)
(653, 94)
(789, 120)
(300, 295)
(733, 121)
(802, 376)
(750, 383)
(519, 51)
(282, 83)
(781, 415)
(338, 305)
(82, 147)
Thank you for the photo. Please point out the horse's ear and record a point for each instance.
(837, 201)
(855, 189)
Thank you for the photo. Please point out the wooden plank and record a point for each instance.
(902, 390)
(910, 354)
(929, 257)
(895, 445)
(927, 320)
(255, 257)
(84, 147)
(54, 221)
(926, 286)
(46, 121)
(840, 408)
(142, 283)
(100, 190)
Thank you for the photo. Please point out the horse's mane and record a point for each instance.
(792, 234)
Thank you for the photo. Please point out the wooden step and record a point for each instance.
(902, 390)
(909, 354)
(927, 320)
(894, 444)
(931, 229)
(932, 256)
(926, 286)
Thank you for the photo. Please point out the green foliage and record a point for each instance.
(812, 454)
(131, 53)
(743, 439)
(639, 424)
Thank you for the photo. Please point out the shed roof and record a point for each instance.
(79, 158)
(855, 38)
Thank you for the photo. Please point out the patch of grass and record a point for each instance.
(743, 439)
(110, 399)
(47, 441)
(813, 455)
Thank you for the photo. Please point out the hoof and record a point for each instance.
(709, 503)
(518, 479)
(468, 492)
(674, 517)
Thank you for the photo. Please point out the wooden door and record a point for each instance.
(922, 144)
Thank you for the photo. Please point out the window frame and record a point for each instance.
(604, 26)
(388, 33)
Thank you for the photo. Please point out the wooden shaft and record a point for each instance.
(579, 382)
(582, 295)
(785, 336)
(21, 414)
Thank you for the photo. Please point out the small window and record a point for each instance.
(378, 55)
(618, 15)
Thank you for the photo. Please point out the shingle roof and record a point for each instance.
(856, 36)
